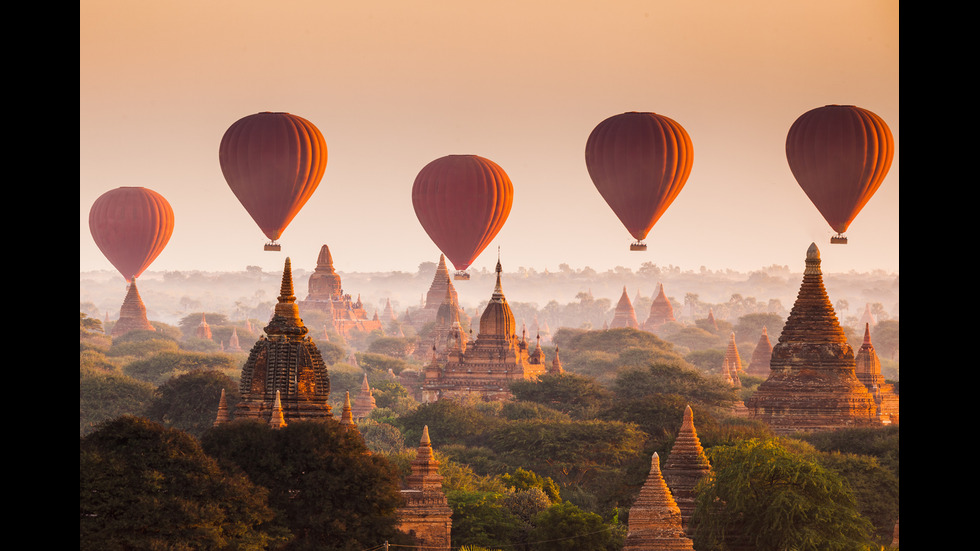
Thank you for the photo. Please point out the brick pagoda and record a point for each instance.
(285, 366)
(655, 519)
(812, 385)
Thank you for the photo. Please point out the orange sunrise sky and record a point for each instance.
(393, 85)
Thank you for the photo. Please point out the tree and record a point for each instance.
(106, 395)
(160, 367)
(324, 484)
(189, 401)
(566, 527)
(673, 378)
(763, 496)
(480, 518)
(144, 486)
(568, 393)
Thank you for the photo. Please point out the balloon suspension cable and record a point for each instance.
(839, 238)
(638, 246)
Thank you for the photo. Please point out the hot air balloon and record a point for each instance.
(639, 162)
(462, 201)
(839, 154)
(131, 226)
(273, 162)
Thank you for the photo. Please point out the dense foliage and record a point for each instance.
(557, 467)
(763, 495)
(143, 486)
(324, 485)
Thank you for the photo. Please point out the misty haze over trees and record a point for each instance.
(566, 297)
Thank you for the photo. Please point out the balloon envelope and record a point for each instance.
(273, 162)
(131, 226)
(839, 154)
(462, 201)
(639, 162)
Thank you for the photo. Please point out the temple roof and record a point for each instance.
(497, 319)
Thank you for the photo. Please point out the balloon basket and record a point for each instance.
(638, 246)
(272, 247)
(839, 239)
(461, 275)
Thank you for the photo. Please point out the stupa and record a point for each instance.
(624, 316)
(327, 295)
(661, 312)
(685, 467)
(446, 328)
(426, 515)
(732, 363)
(655, 522)
(132, 314)
(436, 296)
(364, 402)
(203, 329)
(812, 385)
(759, 363)
(487, 366)
(285, 366)
(868, 371)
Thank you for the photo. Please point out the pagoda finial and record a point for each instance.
(498, 290)
(285, 319)
(812, 260)
(867, 333)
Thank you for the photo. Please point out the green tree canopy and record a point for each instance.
(189, 401)
(576, 395)
(144, 486)
(673, 378)
(324, 485)
(105, 395)
(566, 527)
(160, 367)
(763, 496)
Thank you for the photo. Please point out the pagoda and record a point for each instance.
(732, 363)
(488, 365)
(661, 312)
(203, 329)
(435, 297)
(132, 314)
(759, 363)
(285, 367)
(685, 467)
(868, 371)
(364, 402)
(624, 316)
(812, 385)
(426, 515)
(327, 295)
(446, 329)
(655, 522)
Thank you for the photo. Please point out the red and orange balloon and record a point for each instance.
(462, 202)
(131, 226)
(639, 162)
(839, 154)
(273, 162)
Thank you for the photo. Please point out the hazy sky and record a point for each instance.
(394, 84)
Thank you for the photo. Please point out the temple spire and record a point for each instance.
(277, 420)
(285, 319)
(222, 410)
